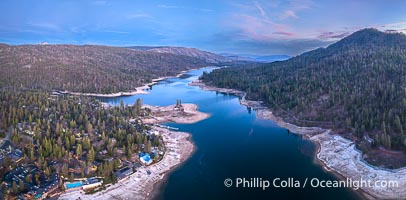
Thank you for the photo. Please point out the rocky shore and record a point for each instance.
(183, 114)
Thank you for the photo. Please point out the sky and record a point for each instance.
(262, 27)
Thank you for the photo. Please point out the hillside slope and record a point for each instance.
(356, 86)
(95, 69)
(192, 52)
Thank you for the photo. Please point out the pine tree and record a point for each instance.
(399, 125)
(79, 150)
(138, 106)
(21, 186)
(14, 186)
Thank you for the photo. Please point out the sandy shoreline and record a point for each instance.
(156, 188)
(137, 90)
(335, 153)
(188, 115)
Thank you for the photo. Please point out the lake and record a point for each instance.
(233, 144)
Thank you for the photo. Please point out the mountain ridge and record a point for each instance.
(186, 51)
(357, 84)
(86, 68)
(256, 58)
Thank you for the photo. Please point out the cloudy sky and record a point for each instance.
(256, 27)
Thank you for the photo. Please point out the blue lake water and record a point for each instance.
(233, 143)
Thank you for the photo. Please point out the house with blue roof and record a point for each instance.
(145, 158)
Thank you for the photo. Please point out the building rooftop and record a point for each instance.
(145, 156)
(123, 172)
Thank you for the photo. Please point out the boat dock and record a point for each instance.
(167, 127)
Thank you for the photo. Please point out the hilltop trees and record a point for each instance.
(355, 85)
(87, 69)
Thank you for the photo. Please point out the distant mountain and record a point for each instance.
(88, 68)
(255, 58)
(355, 86)
(192, 52)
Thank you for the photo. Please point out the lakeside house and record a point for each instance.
(92, 185)
(123, 172)
(46, 188)
(145, 158)
(86, 184)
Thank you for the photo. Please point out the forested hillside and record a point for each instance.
(357, 86)
(192, 52)
(94, 69)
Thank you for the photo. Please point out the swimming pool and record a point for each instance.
(73, 185)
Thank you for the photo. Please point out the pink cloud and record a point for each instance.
(283, 33)
(333, 35)
(265, 21)
(261, 28)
